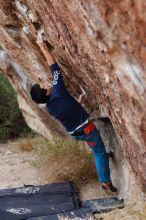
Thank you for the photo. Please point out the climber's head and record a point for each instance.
(40, 93)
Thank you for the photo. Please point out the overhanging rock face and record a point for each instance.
(101, 48)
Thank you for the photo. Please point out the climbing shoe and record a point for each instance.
(108, 186)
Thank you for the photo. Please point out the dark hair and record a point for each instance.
(38, 95)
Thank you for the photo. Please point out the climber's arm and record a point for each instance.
(44, 50)
(58, 83)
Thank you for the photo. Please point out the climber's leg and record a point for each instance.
(96, 144)
(94, 140)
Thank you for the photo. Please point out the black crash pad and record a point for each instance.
(103, 204)
(54, 188)
(50, 201)
(38, 200)
(4, 215)
(81, 213)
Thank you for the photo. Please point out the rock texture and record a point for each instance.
(101, 48)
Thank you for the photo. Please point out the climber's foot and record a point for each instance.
(108, 186)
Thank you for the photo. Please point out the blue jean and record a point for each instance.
(95, 142)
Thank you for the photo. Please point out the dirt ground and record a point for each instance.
(17, 169)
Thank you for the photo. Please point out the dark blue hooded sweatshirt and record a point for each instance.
(62, 105)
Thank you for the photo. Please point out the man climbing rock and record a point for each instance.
(72, 115)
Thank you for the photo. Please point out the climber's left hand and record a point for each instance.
(81, 98)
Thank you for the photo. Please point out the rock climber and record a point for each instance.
(72, 115)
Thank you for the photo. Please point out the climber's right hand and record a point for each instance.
(39, 40)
